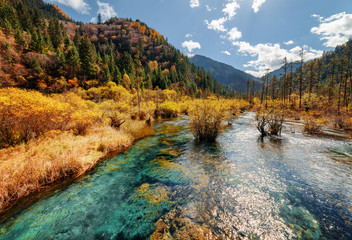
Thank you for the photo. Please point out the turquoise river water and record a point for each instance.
(168, 186)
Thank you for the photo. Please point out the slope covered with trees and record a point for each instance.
(225, 74)
(42, 48)
(324, 81)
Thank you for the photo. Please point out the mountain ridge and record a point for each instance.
(224, 73)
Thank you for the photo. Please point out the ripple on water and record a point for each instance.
(169, 186)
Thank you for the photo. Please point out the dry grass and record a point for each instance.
(312, 124)
(48, 138)
(27, 167)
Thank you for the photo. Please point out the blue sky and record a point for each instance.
(251, 35)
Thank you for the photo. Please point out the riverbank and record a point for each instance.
(47, 139)
(32, 167)
(170, 186)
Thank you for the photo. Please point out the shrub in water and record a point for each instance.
(206, 120)
(270, 122)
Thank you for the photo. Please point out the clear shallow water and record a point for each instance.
(293, 187)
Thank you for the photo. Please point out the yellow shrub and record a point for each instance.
(28, 114)
(206, 119)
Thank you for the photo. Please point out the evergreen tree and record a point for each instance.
(77, 38)
(107, 75)
(34, 44)
(61, 63)
(55, 33)
(88, 58)
(35, 66)
(99, 19)
(72, 61)
(19, 38)
(116, 75)
(127, 63)
(7, 28)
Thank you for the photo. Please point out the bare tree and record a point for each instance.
(284, 80)
(300, 84)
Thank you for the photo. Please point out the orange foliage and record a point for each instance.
(62, 13)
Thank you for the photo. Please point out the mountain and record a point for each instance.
(279, 72)
(42, 48)
(223, 73)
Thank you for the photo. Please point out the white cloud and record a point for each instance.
(230, 9)
(190, 46)
(93, 20)
(256, 4)
(233, 34)
(226, 52)
(289, 42)
(208, 8)
(334, 30)
(188, 35)
(270, 55)
(106, 11)
(229, 12)
(320, 18)
(194, 3)
(78, 5)
(254, 73)
(217, 25)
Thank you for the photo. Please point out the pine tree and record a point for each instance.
(87, 55)
(8, 30)
(61, 63)
(73, 61)
(35, 65)
(35, 43)
(77, 38)
(55, 33)
(116, 75)
(99, 19)
(19, 38)
(127, 63)
(107, 75)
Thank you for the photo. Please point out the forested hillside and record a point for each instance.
(225, 74)
(42, 48)
(322, 81)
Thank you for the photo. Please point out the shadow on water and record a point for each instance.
(170, 186)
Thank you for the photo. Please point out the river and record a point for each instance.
(169, 186)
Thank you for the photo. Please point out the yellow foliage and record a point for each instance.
(28, 114)
(27, 167)
(170, 94)
(165, 72)
(153, 65)
(126, 81)
(206, 118)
